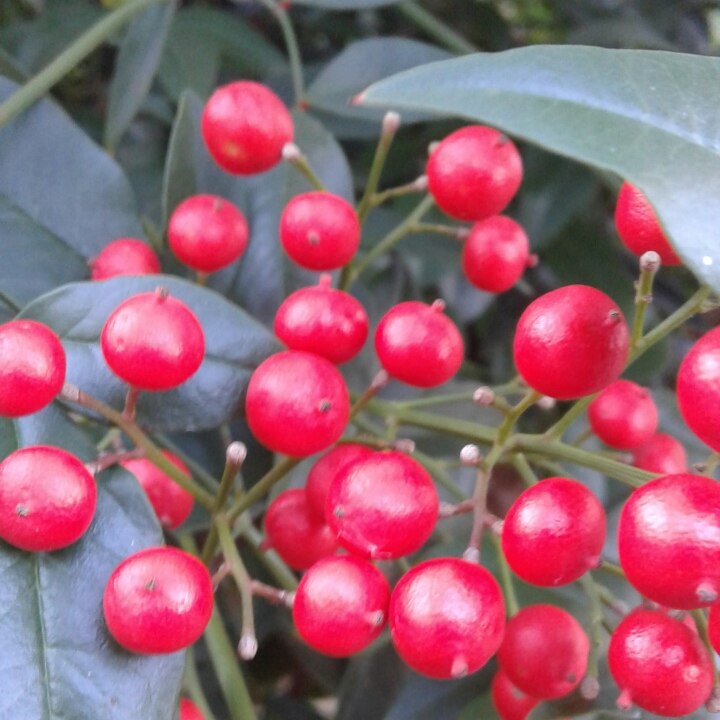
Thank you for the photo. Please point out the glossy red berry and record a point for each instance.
(698, 388)
(638, 226)
(245, 126)
(297, 403)
(510, 703)
(319, 231)
(544, 652)
(554, 532)
(474, 173)
(714, 627)
(382, 506)
(418, 344)
(323, 472)
(571, 342)
(207, 233)
(669, 540)
(623, 415)
(32, 367)
(661, 454)
(171, 503)
(659, 664)
(47, 498)
(153, 341)
(447, 617)
(189, 710)
(495, 254)
(294, 532)
(158, 600)
(341, 605)
(320, 320)
(124, 256)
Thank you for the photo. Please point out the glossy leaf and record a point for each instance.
(59, 660)
(235, 345)
(648, 116)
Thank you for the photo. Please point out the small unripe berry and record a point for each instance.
(474, 173)
(571, 342)
(190, 711)
(32, 367)
(661, 454)
(510, 703)
(244, 126)
(124, 256)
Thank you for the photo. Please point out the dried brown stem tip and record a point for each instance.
(236, 453)
(546, 403)
(589, 688)
(248, 647)
(391, 123)
(470, 455)
(291, 152)
(484, 396)
(421, 183)
(650, 262)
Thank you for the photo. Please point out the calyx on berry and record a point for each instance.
(124, 256)
(661, 454)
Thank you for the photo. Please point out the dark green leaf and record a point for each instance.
(59, 660)
(648, 116)
(235, 345)
(135, 67)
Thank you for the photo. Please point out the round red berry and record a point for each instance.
(125, 256)
(623, 415)
(447, 617)
(571, 342)
(554, 532)
(474, 173)
(32, 367)
(189, 710)
(153, 341)
(171, 503)
(323, 472)
(661, 454)
(323, 321)
(418, 344)
(341, 605)
(698, 388)
(714, 627)
(294, 532)
(320, 231)
(245, 126)
(544, 652)
(669, 540)
(510, 703)
(659, 664)
(158, 600)
(297, 403)
(382, 506)
(47, 498)
(207, 233)
(495, 254)
(639, 228)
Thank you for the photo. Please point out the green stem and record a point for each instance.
(193, 686)
(211, 484)
(613, 569)
(416, 186)
(596, 624)
(453, 231)
(559, 428)
(521, 464)
(482, 481)
(269, 558)
(506, 580)
(580, 439)
(530, 398)
(436, 29)
(643, 297)
(302, 164)
(72, 56)
(701, 624)
(441, 477)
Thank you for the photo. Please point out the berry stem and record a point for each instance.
(441, 477)
(521, 464)
(613, 569)
(193, 686)
(596, 622)
(582, 437)
(611, 602)
(479, 499)
(107, 460)
(506, 579)
(420, 184)
(376, 385)
(269, 558)
(530, 398)
(701, 624)
(436, 29)
(559, 428)
(643, 294)
(271, 594)
(131, 399)
(198, 471)
(293, 155)
(456, 232)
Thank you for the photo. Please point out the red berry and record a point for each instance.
(382, 506)
(341, 605)
(474, 173)
(639, 228)
(207, 233)
(295, 534)
(447, 617)
(571, 342)
(323, 321)
(297, 403)
(669, 540)
(510, 703)
(661, 454)
(554, 532)
(32, 367)
(125, 256)
(495, 254)
(153, 341)
(659, 664)
(320, 231)
(158, 600)
(544, 652)
(171, 503)
(623, 415)
(714, 627)
(698, 388)
(245, 126)
(189, 710)
(323, 472)
(47, 498)
(418, 344)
